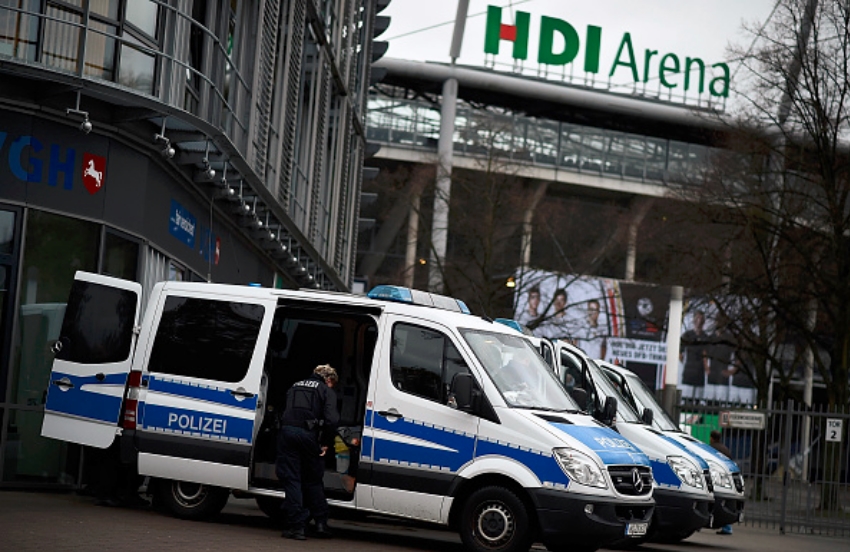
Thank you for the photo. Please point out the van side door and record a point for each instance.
(93, 357)
(419, 441)
(204, 360)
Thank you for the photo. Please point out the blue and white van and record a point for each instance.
(725, 474)
(683, 486)
(460, 421)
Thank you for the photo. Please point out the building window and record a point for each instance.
(120, 39)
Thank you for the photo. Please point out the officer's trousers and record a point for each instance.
(300, 468)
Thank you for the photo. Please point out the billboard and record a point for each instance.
(626, 323)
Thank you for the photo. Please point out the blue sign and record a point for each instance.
(182, 224)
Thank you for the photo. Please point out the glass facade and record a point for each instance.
(544, 143)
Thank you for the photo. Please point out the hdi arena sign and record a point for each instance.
(670, 69)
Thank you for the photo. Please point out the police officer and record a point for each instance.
(309, 419)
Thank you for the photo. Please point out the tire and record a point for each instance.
(270, 506)
(494, 519)
(190, 500)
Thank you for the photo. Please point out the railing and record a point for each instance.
(538, 142)
(796, 470)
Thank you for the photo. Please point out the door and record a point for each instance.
(204, 358)
(419, 442)
(92, 359)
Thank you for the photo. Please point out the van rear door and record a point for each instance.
(92, 359)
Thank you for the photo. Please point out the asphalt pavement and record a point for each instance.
(70, 522)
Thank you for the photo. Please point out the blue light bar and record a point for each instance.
(401, 294)
(391, 293)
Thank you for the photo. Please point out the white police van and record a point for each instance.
(447, 436)
(683, 487)
(725, 474)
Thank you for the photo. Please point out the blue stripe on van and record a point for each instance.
(664, 475)
(544, 465)
(430, 453)
(719, 456)
(611, 447)
(177, 388)
(703, 465)
(439, 448)
(182, 421)
(86, 403)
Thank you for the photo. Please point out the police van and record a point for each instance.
(726, 476)
(458, 420)
(683, 486)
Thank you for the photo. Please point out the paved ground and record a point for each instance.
(60, 522)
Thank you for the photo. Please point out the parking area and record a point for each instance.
(65, 521)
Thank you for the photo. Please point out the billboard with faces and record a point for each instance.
(621, 322)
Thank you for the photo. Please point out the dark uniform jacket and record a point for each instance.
(311, 405)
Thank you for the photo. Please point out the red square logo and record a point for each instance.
(94, 172)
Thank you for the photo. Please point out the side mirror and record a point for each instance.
(609, 411)
(647, 416)
(579, 395)
(462, 394)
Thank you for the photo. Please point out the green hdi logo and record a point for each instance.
(668, 68)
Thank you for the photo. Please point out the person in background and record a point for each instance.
(531, 312)
(694, 347)
(592, 336)
(308, 425)
(716, 442)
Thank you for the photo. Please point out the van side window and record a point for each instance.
(423, 362)
(202, 338)
(98, 324)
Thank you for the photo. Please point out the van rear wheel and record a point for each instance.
(190, 500)
(494, 519)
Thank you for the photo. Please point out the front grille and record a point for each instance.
(627, 483)
(739, 482)
(709, 484)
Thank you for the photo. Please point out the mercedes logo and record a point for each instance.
(637, 481)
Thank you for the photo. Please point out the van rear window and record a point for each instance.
(98, 324)
(203, 338)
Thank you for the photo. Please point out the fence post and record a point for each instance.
(786, 458)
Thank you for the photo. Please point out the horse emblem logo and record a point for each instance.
(94, 172)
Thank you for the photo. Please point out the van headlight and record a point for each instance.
(580, 467)
(720, 476)
(686, 470)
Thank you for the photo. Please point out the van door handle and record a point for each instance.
(241, 393)
(64, 384)
(391, 413)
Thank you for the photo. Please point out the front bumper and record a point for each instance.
(565, 521)
(677, 513)
(727, 509)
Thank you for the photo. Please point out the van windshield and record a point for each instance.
(645, 399)
(520, 374)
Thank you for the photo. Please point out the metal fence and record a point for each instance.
(795, 462)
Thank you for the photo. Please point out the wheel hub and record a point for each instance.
(495, 523)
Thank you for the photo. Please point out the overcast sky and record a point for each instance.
(691, 28)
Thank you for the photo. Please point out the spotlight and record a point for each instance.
(209, 173)
(226, 192)
(85, 126)
(167, 151)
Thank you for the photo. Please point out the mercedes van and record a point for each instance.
(683, 488)
(460, 422)
(725, 474)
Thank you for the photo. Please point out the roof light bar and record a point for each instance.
(400, 294)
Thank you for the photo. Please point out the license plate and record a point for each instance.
(636, 529)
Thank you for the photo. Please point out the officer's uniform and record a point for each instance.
(310, 413)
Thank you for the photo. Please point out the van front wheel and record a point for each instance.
(494, 519)
(190, 500)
